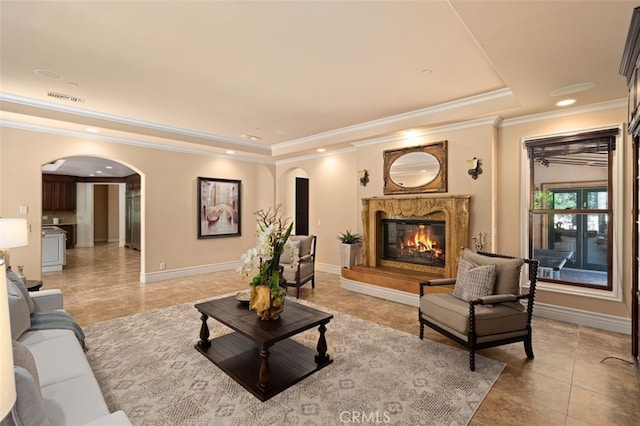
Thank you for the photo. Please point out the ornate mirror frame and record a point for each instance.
(437, 184)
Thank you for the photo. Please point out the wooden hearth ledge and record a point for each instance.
(454, 210)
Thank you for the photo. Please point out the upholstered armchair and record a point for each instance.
(486, 308)
(305, 271)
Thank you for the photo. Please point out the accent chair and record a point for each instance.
(305, 271)
(486, 307)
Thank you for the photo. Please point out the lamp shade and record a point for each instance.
(13, 233)
(8, 387)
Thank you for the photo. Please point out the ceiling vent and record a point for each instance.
(64, 97)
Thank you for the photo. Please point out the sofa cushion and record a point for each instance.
(19, 315)
(58, 358)
(14, 278)
(306, 271)
(507, 271)
(22, 357)
(285, 258)
(29, 408)
(474, 281)
(305, 243)
(76, 401)
(454, 313)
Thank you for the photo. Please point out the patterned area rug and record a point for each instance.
(147, 365)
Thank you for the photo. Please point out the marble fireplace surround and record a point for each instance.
(454, 210)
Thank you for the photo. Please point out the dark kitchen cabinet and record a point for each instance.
(58, 193)
(630, 68)
(72, 238)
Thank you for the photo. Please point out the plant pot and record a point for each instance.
(349, 254)
(264, 303)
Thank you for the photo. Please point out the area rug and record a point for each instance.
(147, 365)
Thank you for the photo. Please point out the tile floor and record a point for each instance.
(567, 383)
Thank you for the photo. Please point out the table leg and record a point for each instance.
(322, 356)
(204, 342)
(264, 375)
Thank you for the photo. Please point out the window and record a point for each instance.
(570, 208)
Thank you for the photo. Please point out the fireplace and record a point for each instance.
(444, 220)
(414, 241)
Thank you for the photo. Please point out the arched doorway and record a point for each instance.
(87, 197)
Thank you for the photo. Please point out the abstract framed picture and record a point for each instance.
(218, 207)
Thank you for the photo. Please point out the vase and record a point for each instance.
(264, 303)
(349, 254)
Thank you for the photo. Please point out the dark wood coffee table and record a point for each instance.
(250, 354)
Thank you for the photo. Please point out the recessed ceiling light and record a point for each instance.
(48, 74)
(230, 152)
(250, 137)
(74, 85)
(565, 102)
(574, 88)
(91, 174)
(426, 71)
(108, 167)
(321, 150)
(98, 171)
(92, 130)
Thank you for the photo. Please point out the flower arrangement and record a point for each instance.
(273, 233)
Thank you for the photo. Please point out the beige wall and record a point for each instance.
(462, 144)
(169, 196)
(510, 190)
(169, 191)
(333, 200)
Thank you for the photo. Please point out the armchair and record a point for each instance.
(479, 316)
(305, 271)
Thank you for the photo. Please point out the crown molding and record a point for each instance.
(397, 119)
(175, 131)
(124, 141)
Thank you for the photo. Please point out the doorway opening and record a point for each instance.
(85, 198)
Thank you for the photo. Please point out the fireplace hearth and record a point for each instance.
(414, 241)
(424, 234)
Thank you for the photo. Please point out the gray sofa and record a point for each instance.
(54, 381)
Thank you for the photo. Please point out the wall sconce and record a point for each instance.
(474, 167)
(478, 241)
(363, 175)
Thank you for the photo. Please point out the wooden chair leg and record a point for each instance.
(528, 346)
(298, 291)
(421, 330)
(472, 360)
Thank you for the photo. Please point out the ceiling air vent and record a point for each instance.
(64, 97)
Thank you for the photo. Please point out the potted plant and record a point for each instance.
(349, 248)
(268, 287)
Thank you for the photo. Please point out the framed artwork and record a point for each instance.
(218, 207)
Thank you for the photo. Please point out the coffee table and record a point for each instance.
(250, 355)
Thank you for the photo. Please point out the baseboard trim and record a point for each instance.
(380, 292)
(187, 272)
(543, 310)
(330, 269)
(581, 317)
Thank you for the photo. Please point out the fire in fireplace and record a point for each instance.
(414, 241)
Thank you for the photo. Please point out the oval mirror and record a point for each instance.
(414, 169)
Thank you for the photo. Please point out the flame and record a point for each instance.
(421, 241)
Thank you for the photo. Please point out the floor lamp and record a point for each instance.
(8, 388)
